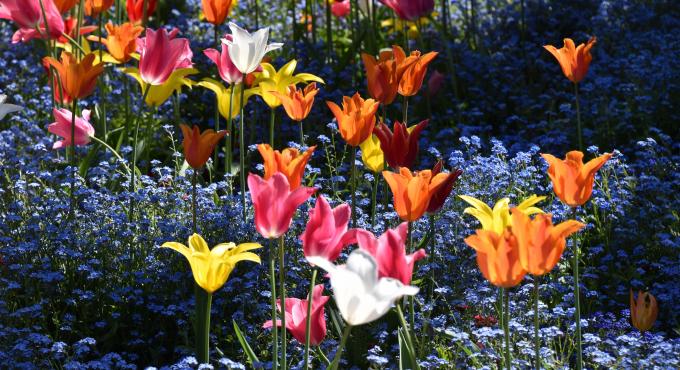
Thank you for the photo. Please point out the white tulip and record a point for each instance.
(7, 108)
(360, 296)
(247, 50)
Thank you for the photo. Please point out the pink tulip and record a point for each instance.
(274, 203)
(410, 9)
(296, 317)
(161, 54)
(62, 127)
(390, 252)
(340, 9)
(27, 14)
(435, 83)
(228, 71)
(326, 232)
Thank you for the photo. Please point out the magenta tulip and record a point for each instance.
(228, 71)
(27, 14)
(161, 54)
(296, 317)
(274, 203)
(390, 252)
(62, 127)
(341, 8)
(326, 232)
(410, 9)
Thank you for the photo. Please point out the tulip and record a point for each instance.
(296, 317)
(228, 71)
(356, 119)
(341, 8)
(412, 191)
(434, 84)
(499, 218)
(275, 204)
(497, 257)
(6, 109)
(121, 41)
(198, 146)
(94, 7)
(540, 243)
(410, 9)
(326, 233)
(573, 60)
(401, 146)
(83, 131)
(70, 29)
(216, 11)
(160, 54)
(362, 297)
(78, 79)
(247, 50)
(385, 73)
(439, 196)
(372, 155)
(297, 103)
(389, 252)
(225, 96)
(270, 81)
(572, 180)
(158, 94)
(412, 78)
(136, 12)
(643, 310)
(65, 5)
(289, 162)
(28, 16)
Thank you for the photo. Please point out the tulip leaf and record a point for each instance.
(405, 352)
(252, 357)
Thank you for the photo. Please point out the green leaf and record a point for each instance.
(404, 352)
(252, 357)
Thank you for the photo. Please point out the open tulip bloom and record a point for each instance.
(326, 233)
(572, 180)
(160, 54)
(296, 317)
(83, 131)
(498, 218)
(228, 71)
(247, 50)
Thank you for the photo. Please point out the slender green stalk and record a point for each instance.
(132, 185)
(73, 159)
(107, 146)
(577, 300)
(374, 196)
(272, 283)
(217, 103)
(322, 355)
(102, 87)
(203, 303)
(407, 334)
(282, 293)
(404, 113)
(537, 340)
(81, 12)
(272, 120)
(578, 118)
(338, 353)
(329, 23)
(308, 327)
(145, 11)
(353, 184)
(506, 329)
(227, 144)
(242, 154)
(194, 207)
(302, 136)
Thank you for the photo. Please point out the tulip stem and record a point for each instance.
(577, 300)
(322, 355)
(338, 353)
(407, 334)
(308, 327)
(405, 111)
(203, 303)
(506, 328)
(242, 154)
(217, 104)
(537, 341)
(131, 187)
(282, 282)
(329, 36)
(353, 184)
(102, 87)
(578, 118)
(74, 170)
(227, 145)
(374, 196)
(194, 179)
(272, 283)
(80, 13)
(302, 136)
(272, 120)
(107, 146)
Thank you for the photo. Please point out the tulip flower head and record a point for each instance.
(216, 11)
(362, 297)
(198, 146)
(540, 242)
(410, 9)
(389, 251)
(415, 69)
(160, 54)
(158, 94)
(270, 81)
(28, 16)
(78, 79)
(499, 218)
(70, 29)
(356, 119)
(62, 127)
(439, 196)
(6, 109)
(65, 5)
(412, 191)
(401, 146)
(382, 77)
(434, 84)
(275, 204)
(326, 233)
(296, 317)
(211, 268)
(136, 11)
(341, 8)
(290, 162)
(298, 103)
(228, 71)
(226, 99)
(121, 41)
(643, 310)
(372, 155)
(572, 180)
(95, 7)
(573, 60)
(247, 50)
(497, 257)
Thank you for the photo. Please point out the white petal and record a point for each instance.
(8, 108)
(364, 265)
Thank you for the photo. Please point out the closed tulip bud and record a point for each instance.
(573, 60)
(136, 11)
(356, 119)
(643, 310)
(326, 233)
(572, 180)
(199, 146)
(412, 191)
(497, 257)
(372, 155)
(401, 145)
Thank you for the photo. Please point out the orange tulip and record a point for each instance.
(289, 162)
(414, 69)
(356, 119)
(572, 180)
(497, 257)
(297, 103)
(121, 41)
(643, 311)
(216, 11)
(65, 5)
(78, 79)
(198, 146)
(384, 74)
(573, 60)
(95, 7)
(412, 191)
(540, 243)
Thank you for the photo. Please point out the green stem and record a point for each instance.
(132, 185)
(302, 136)
(374, 196)
(272, 283)
(74, 166)
(272, 120)
(506, 329)
(577, 300)
(107, 146)
(578, 118)
(227, 147)
(282, 293)
(242, 154)
(81, 12)
(407, 334)
(308, 327)
(203, 303)
(338, 352)
(353, 184)
(537, 340)
(217, 106)
(404, 114)
(194, 208)
(145, 10)
(329, 22)
(322, 355)
(102, 87)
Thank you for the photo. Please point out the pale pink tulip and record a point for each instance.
(296, 317)
(228, 71)
(62, 127)
(161, 54)
(326, 232)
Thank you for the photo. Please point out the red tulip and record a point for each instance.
(326, 232)
(434, 84)
(341, 8)
(135, 9)
(296, 317)
(401, 146)
(439, 196)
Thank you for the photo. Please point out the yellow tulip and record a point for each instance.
(158, 94)
(211, 268)
(224, 96)
(372, 155)
(272, 80)
(498, 218)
